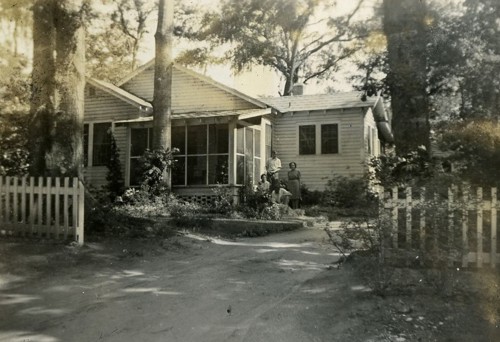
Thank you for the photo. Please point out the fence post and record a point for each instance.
(81, 212)
(479, 218)
(422, 221)
(465, 226)
(493, 258)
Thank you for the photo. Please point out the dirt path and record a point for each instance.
(190, 289)
(276, 288)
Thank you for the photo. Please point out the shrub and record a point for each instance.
(154, 164)
(114, 177)
(310, 197)
(344, 192)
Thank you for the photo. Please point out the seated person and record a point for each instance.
(282, 196)
(264, 184)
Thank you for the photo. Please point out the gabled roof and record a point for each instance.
(121, 94)
(204, 78)
(286, 104)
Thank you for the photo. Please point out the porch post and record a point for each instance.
(232, 158)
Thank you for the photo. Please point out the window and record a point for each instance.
(101, 147)
(86, 145)
(318, 139)
(203, 156)
(140, 141)
(329, 139)
(307, 139)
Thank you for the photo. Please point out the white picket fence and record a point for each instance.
(51, 208)
(471, 217)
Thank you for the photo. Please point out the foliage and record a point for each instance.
(309, 197)
(116, 182)
(347, 192)
(223, 202)
(154, 166)
(14, 118)
(131, 18)
(413, 167)
(475, 147)
(294, 38)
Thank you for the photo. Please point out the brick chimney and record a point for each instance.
(298, 89)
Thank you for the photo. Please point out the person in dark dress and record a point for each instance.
(294, 185)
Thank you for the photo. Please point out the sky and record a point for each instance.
(260, 81)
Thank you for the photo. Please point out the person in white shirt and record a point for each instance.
(273, 166)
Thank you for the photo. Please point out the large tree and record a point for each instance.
(58, 80)
(407, 36)
(302, 40)
(162, 97)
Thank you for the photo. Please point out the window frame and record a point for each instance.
(207, 155)
(89, 146)
(318, 138)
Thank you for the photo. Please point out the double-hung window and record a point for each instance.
(318, 139)
(97, 141)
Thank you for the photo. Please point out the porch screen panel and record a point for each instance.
(218, 169)
(307, 139)
(179, 138)
(329, 139)
(218, 139)
(196, 170)
(197, 139)
(179, 171)
(269, 146)
(240, 169)
(240, 140)
(257, 158)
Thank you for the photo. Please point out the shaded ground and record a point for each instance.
(282, 287)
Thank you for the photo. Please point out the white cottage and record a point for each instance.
(225, 136)
(329, 135)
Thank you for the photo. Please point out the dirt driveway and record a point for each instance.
(282, 287)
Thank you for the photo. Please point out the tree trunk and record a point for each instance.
(70, 83)
(162, 98)
(43, 85)
(58, 84)
(404, 26)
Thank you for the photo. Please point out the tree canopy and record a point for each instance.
(302, 40)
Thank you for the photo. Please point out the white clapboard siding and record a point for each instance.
(479, 241)
(104, 107)
(189, 94)
(42, 207)
(317, 169)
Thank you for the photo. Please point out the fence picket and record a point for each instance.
(7, 199)
(66, 207)
(23, 205)
(32, 205)
(422, 220)
(39, 212)
(57, 204)
(81, 213)
(465, 227)
(48, 208)
(15, 204)
(479, 217)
